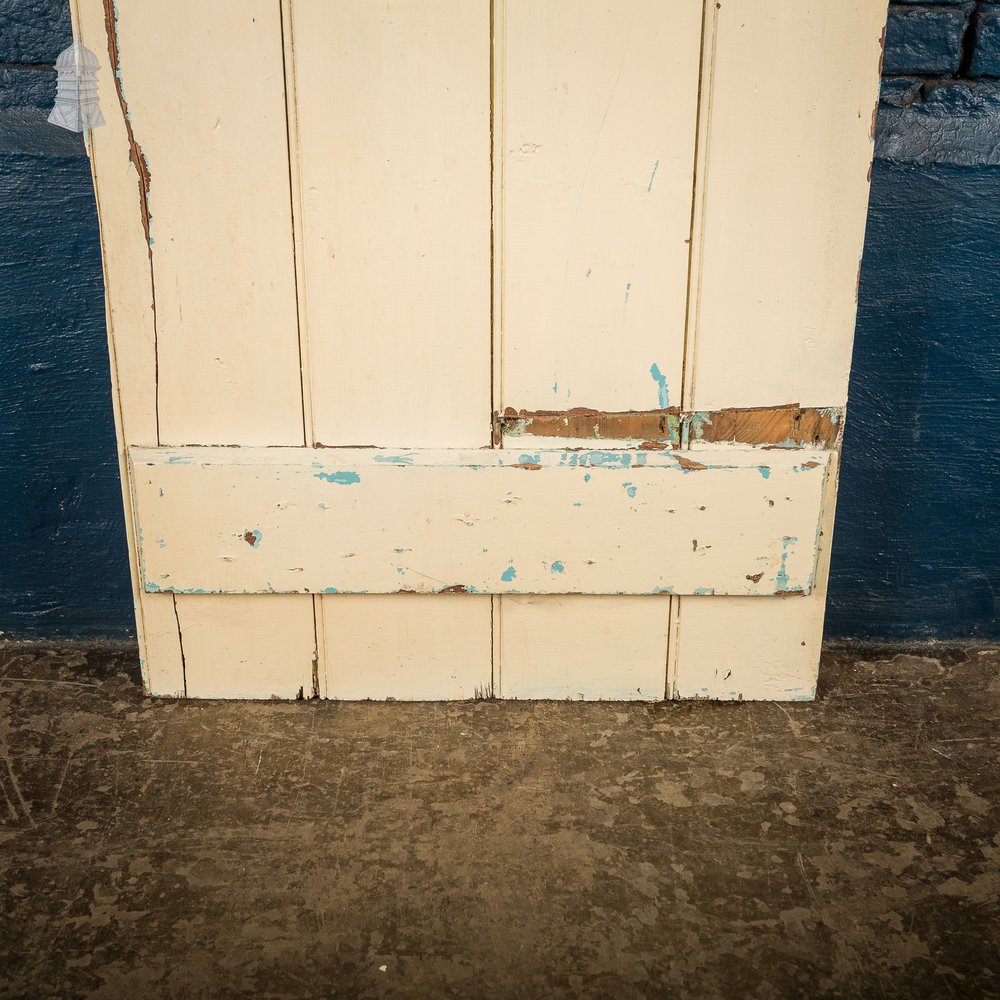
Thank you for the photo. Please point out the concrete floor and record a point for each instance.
(847, 848)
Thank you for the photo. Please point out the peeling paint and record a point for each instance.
(660, 379)
(339, 478)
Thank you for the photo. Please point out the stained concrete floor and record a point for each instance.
(847, 848)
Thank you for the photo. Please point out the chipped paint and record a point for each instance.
(339, 478)
(786, 426)
(663, 390)
(136, 155)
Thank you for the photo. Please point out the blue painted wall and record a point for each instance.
(916, 550)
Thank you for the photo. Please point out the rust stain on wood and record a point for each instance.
(135, 150)
(788, 426)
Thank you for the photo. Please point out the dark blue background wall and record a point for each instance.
(916, 550)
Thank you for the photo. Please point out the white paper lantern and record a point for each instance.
(76, 107)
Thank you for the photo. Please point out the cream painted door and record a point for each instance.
(466, 348)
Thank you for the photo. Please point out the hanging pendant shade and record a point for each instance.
(77, 107)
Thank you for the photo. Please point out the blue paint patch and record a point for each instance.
(179, 460)
(765, 471)
(252, 537)
(697, 422)
(781, 579)
(329, 590)
(395, 459)
(703, 591)
(529, 460)
(662, 590)
(577, 503)
(586, 478)
(161, 542)
(508, 574)
(340, 478)
(630, 489)
(663, 390)
(558, 567)
(652, 176)
(555, 388)
(400, 570)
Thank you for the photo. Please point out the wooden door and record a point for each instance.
(466, 348)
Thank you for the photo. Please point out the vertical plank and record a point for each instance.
(131, 335)
(213, 138)
(393, 166)
(597, 107)
(611, 652)
(784, 189)
(781, 200)
(754, 648)
(598, 126)
(408, 647)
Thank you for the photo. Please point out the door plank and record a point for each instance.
(273, 520)
(783, 196)
(597, 148)
(782, 191)
(221, 285)
(541, 662)
(392, 162)
(595, 113)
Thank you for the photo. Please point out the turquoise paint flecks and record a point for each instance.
(395, 459)
(577, 503)
(179, 460)
(508, 574)
(529, 460)
(329, 590)
(662, 590)
(586, 478)
(152, 588)
(558, 567)
(630, 489)
(340, 478)
(663, 389)
(703, 591)
(161, 542)
(400, 570)
(255, 535)
(628, 289)
(781, 579)
(652, 176)
(765, 471)
(555, 388)
(321, 505)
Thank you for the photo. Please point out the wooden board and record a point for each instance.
(539, 661)
(370, 521)
(390, 153)
(782, 196)
(393, 166)
(597, 107)
(192, 177)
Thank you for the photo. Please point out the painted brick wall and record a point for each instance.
(915, 552)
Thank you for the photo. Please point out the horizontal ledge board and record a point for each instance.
(373, 521)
